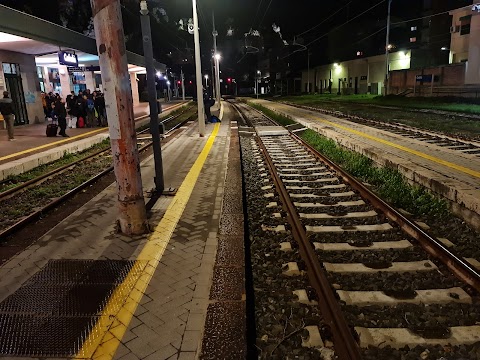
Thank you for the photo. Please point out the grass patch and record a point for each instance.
(14, 180)
(388, 183)
(463, 105)
(396, 109)
(281, 119)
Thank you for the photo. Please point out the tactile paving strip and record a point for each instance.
(54, 311)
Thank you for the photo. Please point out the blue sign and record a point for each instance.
(424, 78)
(66, 58)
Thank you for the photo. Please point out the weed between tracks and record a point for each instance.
(433, 115)
(388, 183)
(68, 158)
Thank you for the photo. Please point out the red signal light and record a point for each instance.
(179, 82)
(190, 82)
(229, 79)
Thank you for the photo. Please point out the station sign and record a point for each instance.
(425, 78)
(68, 59)
(71, 70)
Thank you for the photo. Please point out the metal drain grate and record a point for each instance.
(53, 312)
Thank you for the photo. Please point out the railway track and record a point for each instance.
(383, 287)
(34, 202)
(447, 142)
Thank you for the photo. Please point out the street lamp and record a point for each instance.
(259, 73)
(155, 109)
(217, 76)
(198, 70)
(388, 47)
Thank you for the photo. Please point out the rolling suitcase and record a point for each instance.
(52, 128)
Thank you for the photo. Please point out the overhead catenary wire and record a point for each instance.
(346, 22)
(265, 14)
(324, 20)
(256, 14)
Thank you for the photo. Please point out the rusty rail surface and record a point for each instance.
(58, 201)
(346, 347)
(458, 266)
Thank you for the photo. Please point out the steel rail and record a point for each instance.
(26, 185)
(458, 266)
(57, 201)
(400, 126)
(346, 347)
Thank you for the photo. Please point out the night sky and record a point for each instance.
(332, 39)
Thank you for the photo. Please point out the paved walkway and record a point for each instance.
(33, 135)
(159, 308)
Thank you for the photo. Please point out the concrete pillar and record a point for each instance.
(134, 83)
(90, 80)
(64, 81)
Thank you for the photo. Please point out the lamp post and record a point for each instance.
(387, 47)
(152, 97)
(217, 76)
(183, 84)
(259, 73)
(198, 70)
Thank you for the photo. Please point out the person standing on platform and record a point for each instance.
(207, 104)
(6, 109)
(61, 113)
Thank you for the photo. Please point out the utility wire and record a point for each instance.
(202, 17)
(429, 16)
(324, 20)
(256, 14)
(345, 23)
(266, 11)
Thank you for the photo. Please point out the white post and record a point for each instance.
(198, 70)
(217, 61)
(387, 43)
(183, 84)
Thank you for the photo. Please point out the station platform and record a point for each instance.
(33, 148)
(85, 291)
(453, 175)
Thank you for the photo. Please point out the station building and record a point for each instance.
(458, 76)
(30, 63)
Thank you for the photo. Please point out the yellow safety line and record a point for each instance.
(54, 144)
(400, 147)
(106, 336)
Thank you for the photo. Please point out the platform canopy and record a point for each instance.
(27, 34)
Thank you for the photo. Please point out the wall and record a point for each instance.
(31, 85)
(459, 44)
(372, 69)
(447, 76)
(472, 75)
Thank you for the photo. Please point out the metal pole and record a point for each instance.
(108, 24)
(217, 62)
(387, 42)
(183, 84)
(152, 97)
(198, 70)
(308, 75)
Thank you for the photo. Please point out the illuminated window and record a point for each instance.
(413, 28)
(413, 39)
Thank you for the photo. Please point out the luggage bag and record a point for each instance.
(52, 128)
